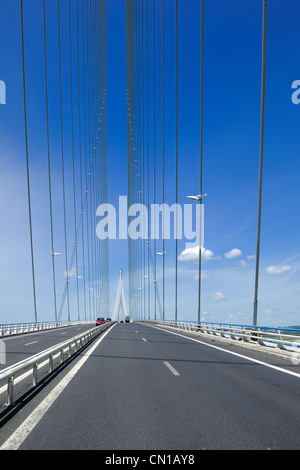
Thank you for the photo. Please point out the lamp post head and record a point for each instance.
(197, 198)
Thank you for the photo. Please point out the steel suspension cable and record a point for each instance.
(176, 164)
(201, 157)
(262, 128)
(154, 159)
(163, 146)
(84, 58)
(88, 153)
(104, 150)
(27, 163)
(73, 158)
(96, 153)
(49, 160)
(140, 244)
(148, 160)
(88, 175)
(92, 155)
(80, 157)
(63, 162)
(143, 163)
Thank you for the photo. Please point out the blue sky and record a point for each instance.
(232, 80)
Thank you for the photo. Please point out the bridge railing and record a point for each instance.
(45, 362)
(8, 329)
(285, 339)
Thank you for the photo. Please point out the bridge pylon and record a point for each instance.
(120, 300)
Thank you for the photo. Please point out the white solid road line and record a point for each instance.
(280, 369)
(171, 368)
(18, 437)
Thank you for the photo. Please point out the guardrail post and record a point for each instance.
(10, 391)
(34, 374)
(51, 363)
(279, 341)
(231, 333)
(245, 335)
(260, 338)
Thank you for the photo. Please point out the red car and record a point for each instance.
(100, 321)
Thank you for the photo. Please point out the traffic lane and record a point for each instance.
(271, 395)
(119, 399)
(254, 399)
(18, 348)
(126, 398)
(254, 354)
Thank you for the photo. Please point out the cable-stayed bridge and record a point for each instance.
(147, 375)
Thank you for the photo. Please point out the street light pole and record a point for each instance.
(200, 264)
(199, 198)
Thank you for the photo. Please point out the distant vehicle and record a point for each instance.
(100, 321)
(108, 319)
(127, 319)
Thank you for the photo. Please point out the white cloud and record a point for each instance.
(218, 296)
(233, 253)
(204, 275)
(251, 256)
(268, 312)
(237, 316)
(278, 269)
(71, 273)
(243, 263)
(242, 314)
(191, 255)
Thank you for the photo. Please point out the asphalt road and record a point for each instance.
(139, 387)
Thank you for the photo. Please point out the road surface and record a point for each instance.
(140, 387)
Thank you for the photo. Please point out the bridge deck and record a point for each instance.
(145, 388)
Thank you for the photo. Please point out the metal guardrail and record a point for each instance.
(285, 339)
(59, 351)
(8, 329)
